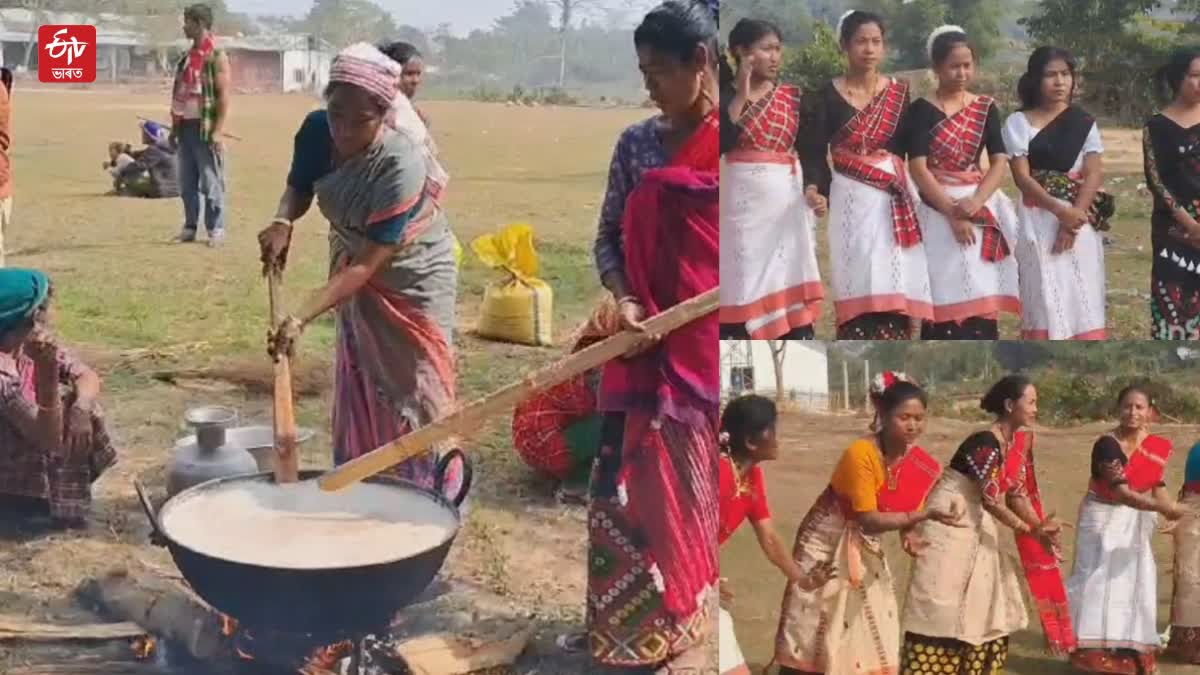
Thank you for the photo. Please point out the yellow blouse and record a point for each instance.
(860, 475)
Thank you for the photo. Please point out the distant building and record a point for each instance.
(747, 367)
(271, 62)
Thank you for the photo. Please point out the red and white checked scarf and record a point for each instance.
(865, 137)
(953, 147)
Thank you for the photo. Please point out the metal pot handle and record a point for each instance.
(439, 479)
(157, 537)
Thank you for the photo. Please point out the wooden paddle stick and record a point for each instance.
(469, 417)
(287, 460)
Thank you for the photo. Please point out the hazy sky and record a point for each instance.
(463, 15)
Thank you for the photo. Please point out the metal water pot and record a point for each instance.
(207, 455)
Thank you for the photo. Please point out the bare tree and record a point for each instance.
(778, 352)
(568, 12)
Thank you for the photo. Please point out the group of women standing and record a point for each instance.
(964, 598)
(920, 234)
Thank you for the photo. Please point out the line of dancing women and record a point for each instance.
(840, 614)
(920, 234)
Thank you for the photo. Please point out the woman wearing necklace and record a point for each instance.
(969, 225)
(748, 439)
(1171, 148)
(879, 486)
(964, 596)
(1113, 586)
(879, 279)
(1055, 150)
(771, 287)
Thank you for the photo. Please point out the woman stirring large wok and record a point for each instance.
(392, 270)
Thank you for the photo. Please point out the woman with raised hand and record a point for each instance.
(770, 284)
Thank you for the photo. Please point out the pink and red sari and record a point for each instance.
(654, 510)
(1041, 566)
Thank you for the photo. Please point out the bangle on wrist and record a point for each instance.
(282, 221)
(628, 298)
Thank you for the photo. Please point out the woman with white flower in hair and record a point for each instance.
(392, 276)
(969, 225)
(850, 626)
(879, 278)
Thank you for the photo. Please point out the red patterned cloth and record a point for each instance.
(771, 123)
(865, 137)
(909, 482)
(953, 147)
(1041, 566)
(539, 422)
(27, 470)
(1111, 662)
(1145, 470)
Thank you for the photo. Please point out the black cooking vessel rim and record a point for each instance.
(263, 476)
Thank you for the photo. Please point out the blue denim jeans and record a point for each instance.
(201, 179)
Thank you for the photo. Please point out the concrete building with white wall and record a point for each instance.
(747, 367)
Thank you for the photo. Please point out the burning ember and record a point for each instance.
(143, 647)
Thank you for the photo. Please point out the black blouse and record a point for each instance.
(924, 116)
(980, 459)
(1172, 158)
(823, 114)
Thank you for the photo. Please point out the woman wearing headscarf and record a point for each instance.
(654, 503)
(53, 441)
(392, 272)
(1185, 605)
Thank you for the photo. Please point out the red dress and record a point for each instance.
(747, 501)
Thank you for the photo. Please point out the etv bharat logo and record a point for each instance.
(68, 53)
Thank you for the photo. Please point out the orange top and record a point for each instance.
(5, 140)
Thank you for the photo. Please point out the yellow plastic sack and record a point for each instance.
(519, 308)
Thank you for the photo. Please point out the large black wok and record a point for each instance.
(335, 603)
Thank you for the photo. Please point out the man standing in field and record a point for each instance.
(199, 109)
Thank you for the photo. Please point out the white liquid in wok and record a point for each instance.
(300, 526)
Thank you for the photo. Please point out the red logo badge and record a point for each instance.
(67, 53)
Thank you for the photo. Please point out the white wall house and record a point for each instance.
(747, 367)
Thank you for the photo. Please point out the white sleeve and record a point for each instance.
(1016, 136)
(1094, 145)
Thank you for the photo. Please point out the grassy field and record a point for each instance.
(144, 311)
(811, 445)
(1127, 258)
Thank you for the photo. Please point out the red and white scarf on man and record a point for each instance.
(191, 80)
(865, 137)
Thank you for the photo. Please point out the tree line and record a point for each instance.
(1119, 43)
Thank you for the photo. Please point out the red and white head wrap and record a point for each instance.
(883, 381)
(369, 69)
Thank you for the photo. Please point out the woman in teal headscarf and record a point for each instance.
(53, 442)
(1185, 607)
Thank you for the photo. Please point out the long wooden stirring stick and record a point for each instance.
(469, 417)
(287, 460)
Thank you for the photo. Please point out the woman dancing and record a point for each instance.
(880, 280)
(747, 440)
(771, 287)
(1171, 151)
(964, 597)
(1055, 151)
(969, 225)
(879, 486)
(1113, 587)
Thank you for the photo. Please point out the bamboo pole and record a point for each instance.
(469, 417)
(287, 461)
